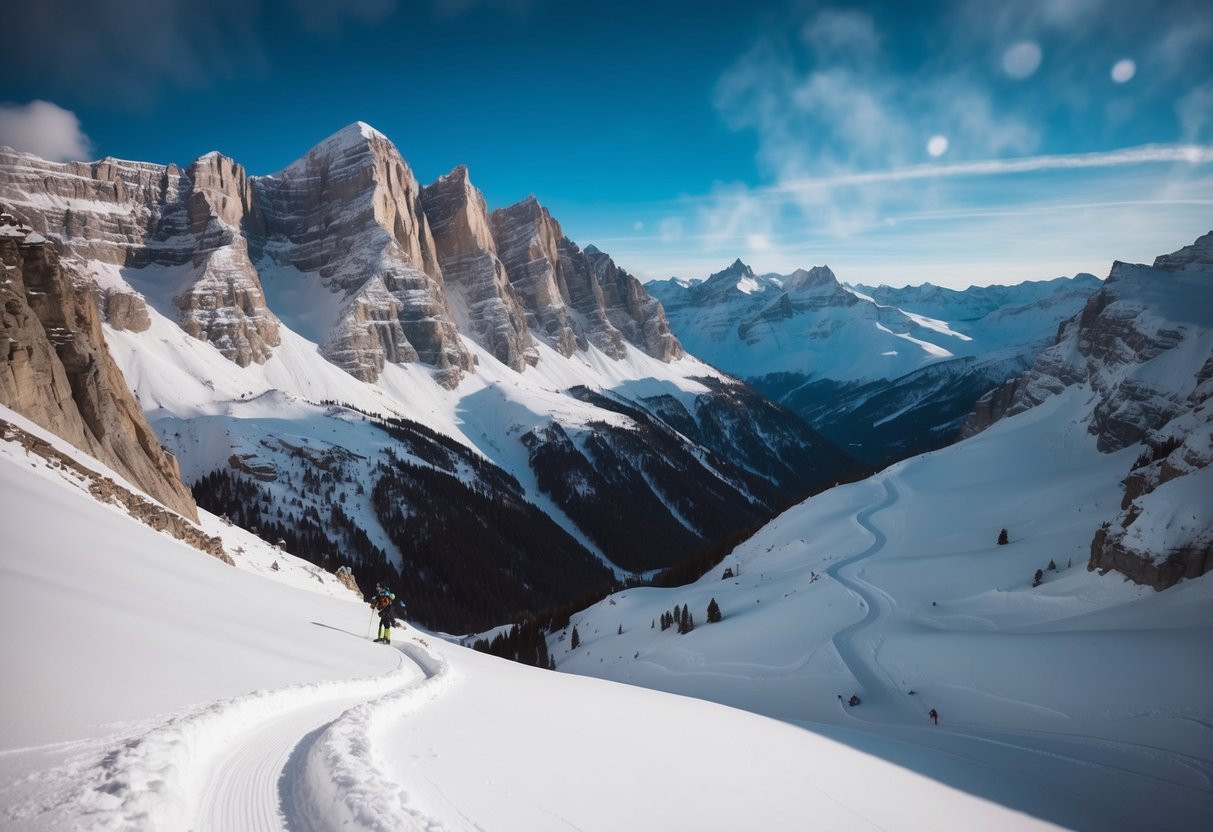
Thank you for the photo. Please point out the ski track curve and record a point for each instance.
(242, 789)
(876, 604)
(251, 763)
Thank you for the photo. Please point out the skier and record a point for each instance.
(384, 602)
(934, 716)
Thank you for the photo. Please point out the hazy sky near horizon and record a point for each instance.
(955, 141)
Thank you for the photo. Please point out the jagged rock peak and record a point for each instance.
(351, 211)
(816, 277)
(482, 298)
(726, 279)
(527, 239)
(458, 215)
(1196, 257)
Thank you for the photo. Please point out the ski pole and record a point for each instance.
(370, 628)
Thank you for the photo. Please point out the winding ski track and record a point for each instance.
(256, 783)
(875, 688)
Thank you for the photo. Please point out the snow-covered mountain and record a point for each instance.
(150, 687)
(1062, 689)
(389, 377)
(883, 372)
(1143, 346)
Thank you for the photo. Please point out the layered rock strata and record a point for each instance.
(412, 270)
(350, 212)
(1144, 346)
(485, 301)
(56, 370)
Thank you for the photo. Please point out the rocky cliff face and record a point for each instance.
(486, 304)
(1143, 344)
(137, 215)
(409, 270)
(527, 241)
(56, 371)
(349, 214)
(637, 315)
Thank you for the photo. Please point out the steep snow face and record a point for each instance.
(1073, 698)
(1144, 345)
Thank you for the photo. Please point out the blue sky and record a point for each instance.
(959, 141)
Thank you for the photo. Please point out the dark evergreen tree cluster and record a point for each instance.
(477, 553)
(1003, 540)
(523, 644)
(714, 613)
(620, 484)
(679, 617)
(302, 530)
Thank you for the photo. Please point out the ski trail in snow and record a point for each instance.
(865, 669)
(219, 767)
(242, 787)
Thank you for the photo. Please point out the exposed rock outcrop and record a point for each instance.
(105, 490)
(350, 212)
(1144, 346)
(485, 302)
(56, 370)
(633, 311)
(526, 238)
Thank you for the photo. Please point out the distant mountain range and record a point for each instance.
(883, 372)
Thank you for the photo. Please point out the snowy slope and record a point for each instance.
(1083, 701)
(148, 687)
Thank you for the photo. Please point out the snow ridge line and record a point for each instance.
(344, 781)
(151, 782)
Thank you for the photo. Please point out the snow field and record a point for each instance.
(1083, 701)
(200, 696)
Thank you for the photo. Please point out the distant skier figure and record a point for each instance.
(934, 716)
(384, 602)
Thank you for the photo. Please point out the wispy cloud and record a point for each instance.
(1187, 153)
(44, 129)
(860, 148)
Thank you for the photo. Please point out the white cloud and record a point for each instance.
(44, 129)
(937, 145)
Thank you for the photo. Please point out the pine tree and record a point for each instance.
(714, 612)
(1039, 578)
(576, 638)
(1052, 565)
(620, 630)
(1003, 540)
